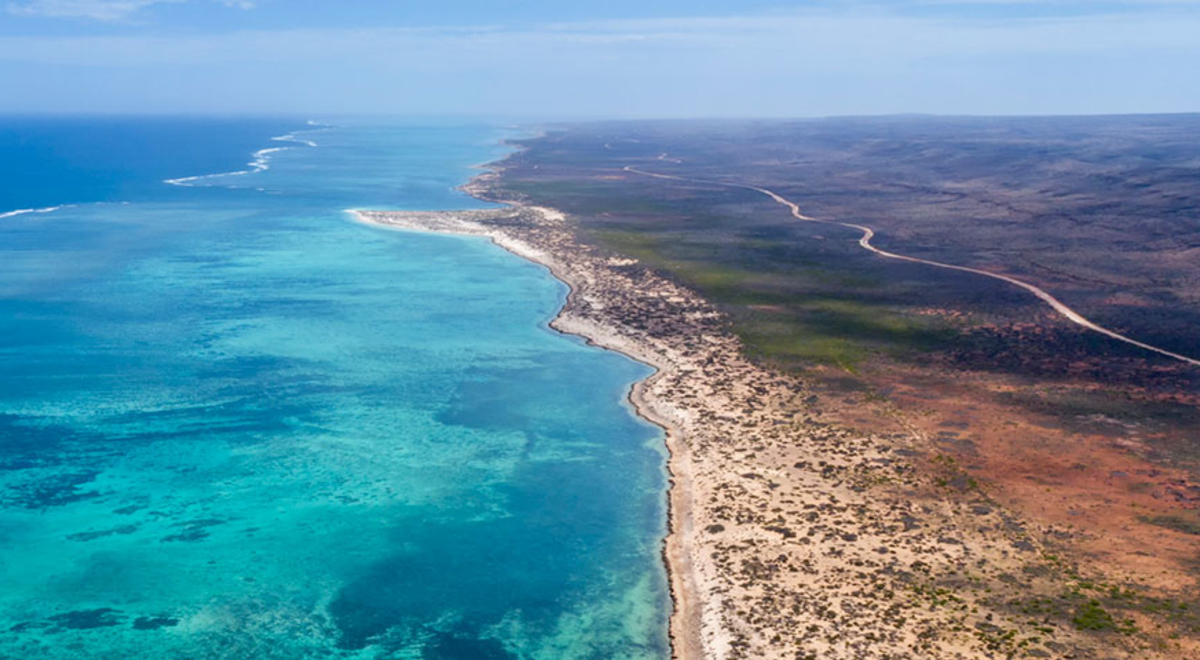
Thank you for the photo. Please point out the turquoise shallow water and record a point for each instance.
(236, 424)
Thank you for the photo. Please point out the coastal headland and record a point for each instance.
(793, 532)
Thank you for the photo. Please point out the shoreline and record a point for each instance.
(684, 628)
(791, 534)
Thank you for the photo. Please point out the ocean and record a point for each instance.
(234, 423)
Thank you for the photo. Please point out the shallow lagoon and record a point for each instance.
(234, 423)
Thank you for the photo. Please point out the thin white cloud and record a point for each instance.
(814, 62)
(98, 10)
(819, 41)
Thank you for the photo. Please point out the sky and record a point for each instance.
(579, 59)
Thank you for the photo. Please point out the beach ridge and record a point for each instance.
(686, 617)
(791, 535)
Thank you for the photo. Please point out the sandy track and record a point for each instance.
(868, 234)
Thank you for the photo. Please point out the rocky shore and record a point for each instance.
(791, 534)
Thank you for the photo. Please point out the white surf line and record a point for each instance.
(865, 243)
(48, 209)
(294, 136)
(260, 160)
(291, 137)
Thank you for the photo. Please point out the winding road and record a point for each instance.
(865, 243)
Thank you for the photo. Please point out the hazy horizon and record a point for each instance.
(551, 121)
(540, 61)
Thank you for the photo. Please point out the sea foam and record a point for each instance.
(260, 160)
(48, 209)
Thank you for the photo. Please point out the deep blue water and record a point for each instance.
(236, 424)
(51, 161)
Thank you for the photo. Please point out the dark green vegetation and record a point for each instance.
(1101, 211)
(1102, 607)
(1034, 607)
(800, 293)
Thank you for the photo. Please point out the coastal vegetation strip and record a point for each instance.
(868, 234)
(1010, 393)
(790, 533)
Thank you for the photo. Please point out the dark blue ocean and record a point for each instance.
(236, 424)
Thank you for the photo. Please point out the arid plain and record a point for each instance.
(882, 459)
